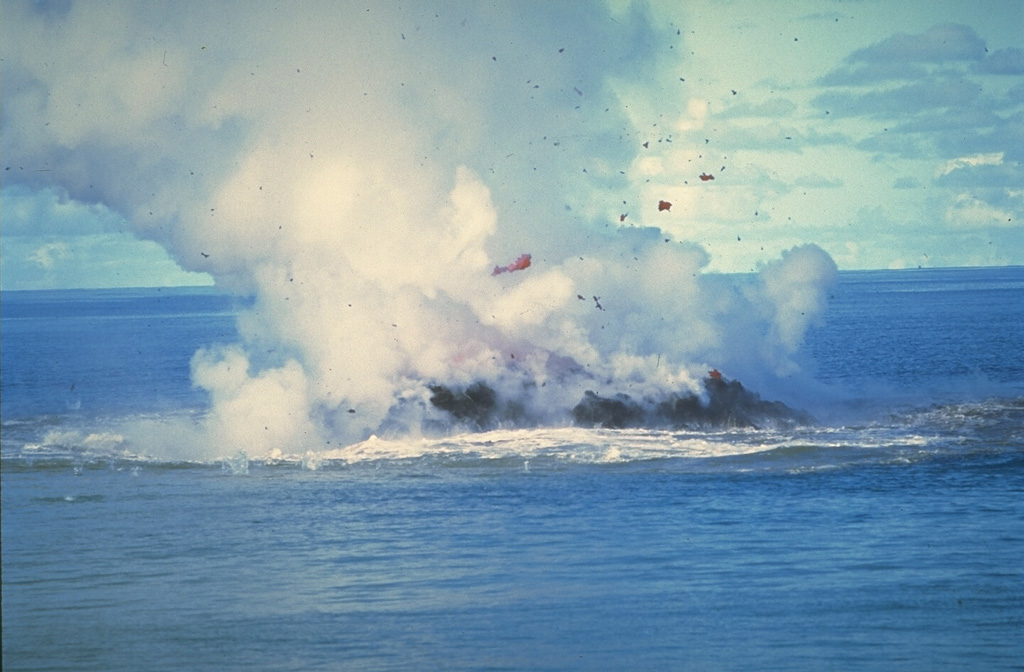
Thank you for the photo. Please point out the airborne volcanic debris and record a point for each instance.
(519, 264)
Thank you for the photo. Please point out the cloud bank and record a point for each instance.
(360, 171)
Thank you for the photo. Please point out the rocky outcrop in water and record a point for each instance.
(726, 404)
(477, 406)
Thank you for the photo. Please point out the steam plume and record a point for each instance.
(360, 171)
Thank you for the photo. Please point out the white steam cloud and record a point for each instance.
(361, 170)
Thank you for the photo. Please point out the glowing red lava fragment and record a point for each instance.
(664, 205)
(519, 264)
(714, 374)
(704, 177)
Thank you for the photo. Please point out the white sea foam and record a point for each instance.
(904, 437)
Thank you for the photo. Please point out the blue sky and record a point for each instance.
(138, 138)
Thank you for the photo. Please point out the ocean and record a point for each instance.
(887, 533)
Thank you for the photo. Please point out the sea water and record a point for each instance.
(888, 535)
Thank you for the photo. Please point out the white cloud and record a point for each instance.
(49, 254)
(989, 159)
(969, 212)
(51, 241)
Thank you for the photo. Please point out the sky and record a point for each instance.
(361, 169)
(890, 134)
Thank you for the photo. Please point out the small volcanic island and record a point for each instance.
(727, 404)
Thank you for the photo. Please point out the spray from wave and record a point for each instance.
(362, 172)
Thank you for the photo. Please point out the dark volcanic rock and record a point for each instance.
(475, 406)
(729, 404)
(614, 413)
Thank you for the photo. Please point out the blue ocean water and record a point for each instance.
(889, 535)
